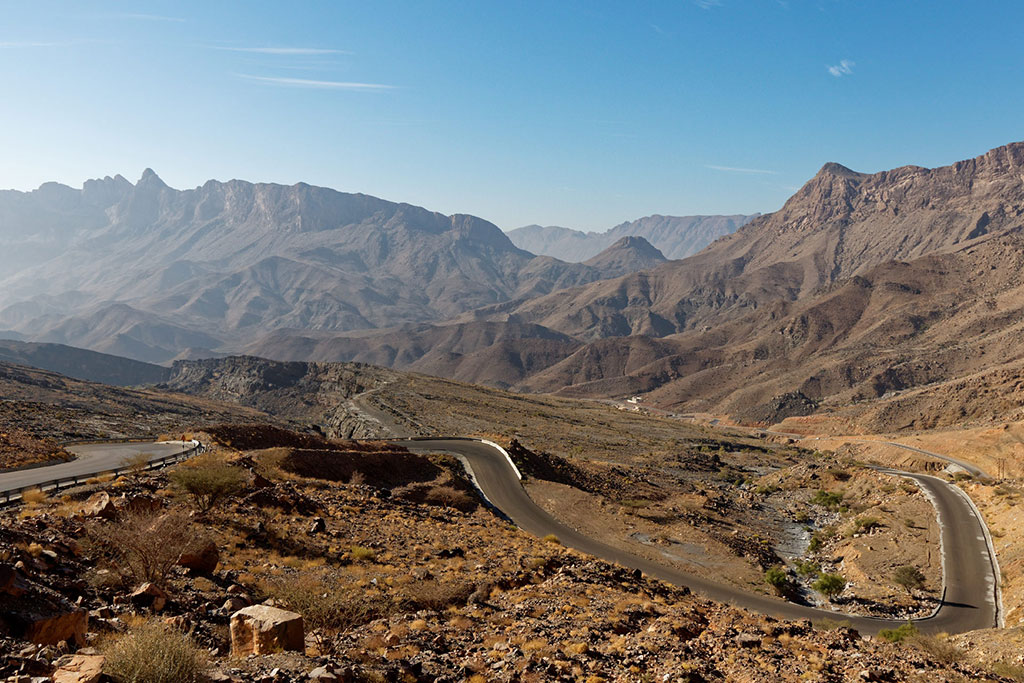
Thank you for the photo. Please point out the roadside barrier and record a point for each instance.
(13, 496)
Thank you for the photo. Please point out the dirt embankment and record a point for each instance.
(18, 449)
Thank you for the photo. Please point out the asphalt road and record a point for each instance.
(92, 458)
(970, 577)
(970, 599)
(972, 469)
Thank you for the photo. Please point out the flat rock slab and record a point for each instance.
(79, 669)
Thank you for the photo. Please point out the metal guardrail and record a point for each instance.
(13, 496)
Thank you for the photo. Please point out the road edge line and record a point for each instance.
(938, 521)
(993, 558)
(507, 456)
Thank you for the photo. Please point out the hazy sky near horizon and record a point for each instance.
(581, 114)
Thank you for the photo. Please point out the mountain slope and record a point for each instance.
(628, 255)
(675, 236)
(837, 225)
(81, 364)
(148, 271)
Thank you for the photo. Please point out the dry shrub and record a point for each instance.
(939, 647)
(449, 496)
(136, 463)
(208, 479)
(154, 653)
(34, 496)
(431, 594)
(145, 546)
(327, 608)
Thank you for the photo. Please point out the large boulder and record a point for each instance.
(78, 669)
(99, 505)
(52, 627)
(10, 582)
(262, 629)
(202, 559)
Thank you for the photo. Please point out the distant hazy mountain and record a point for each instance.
(675, 236)
(154, 273)
(82, 364)
(627, 255)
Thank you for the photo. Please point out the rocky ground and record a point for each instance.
(400, 574)
(45, 406)
(19, 448)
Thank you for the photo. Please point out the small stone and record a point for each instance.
(234, 603)
(322, 673)
(748, 640)
(150, 596)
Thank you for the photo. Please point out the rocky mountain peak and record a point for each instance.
(150, 179)
(833, 169)
(629, 254)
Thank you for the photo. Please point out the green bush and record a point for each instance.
(807, 568)
(208, 480)
(908, 578)
(829, 585)
(865, 524)
(828, 499)
(777, 578)
(154, 653)
(898, 635)
(820, 537)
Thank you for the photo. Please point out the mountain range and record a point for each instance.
(150, 272)
(675, 236)
(894, 294)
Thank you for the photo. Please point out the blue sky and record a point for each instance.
(581, 114)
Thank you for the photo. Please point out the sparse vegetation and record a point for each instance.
(328, 607)
(862, 525)
(938, 648)
(828, 499)
(909, 578)
(144, 546)
(154, 652)
(777, 578)
(136, 463)
(829, 585)
(551, 538)
(362, 554)
(898, 634)
(34, 496)
(208, 480)
(807, 568)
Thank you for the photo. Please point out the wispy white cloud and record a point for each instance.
(317, 85)
(152, 17)
(707, 4)
(293, 51)
(17, 44)
(843, 68)
(734, 169)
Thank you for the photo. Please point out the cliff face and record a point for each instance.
(323, 394)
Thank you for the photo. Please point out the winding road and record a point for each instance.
(970, 597)
(91, 459)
